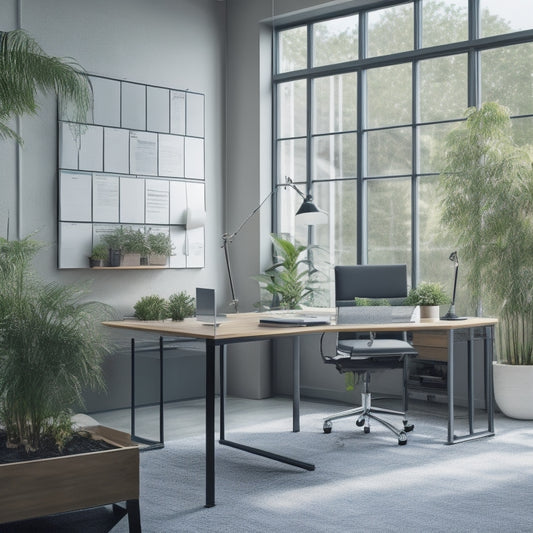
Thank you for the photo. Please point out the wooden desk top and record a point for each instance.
(246, 326)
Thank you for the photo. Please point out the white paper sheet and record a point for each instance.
(132, 200)
(171, 156)
(157, 201)
(143, 153)
(116, 150)
(75, 196)
(105, 198)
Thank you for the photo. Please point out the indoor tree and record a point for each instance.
(487, 187)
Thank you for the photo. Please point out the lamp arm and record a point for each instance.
(227, 238)
(455, 283)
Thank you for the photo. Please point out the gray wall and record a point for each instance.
(161, 42)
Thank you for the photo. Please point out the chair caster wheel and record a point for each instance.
(402, 439)
(327, 430)
(408, 427)
(360, 422)
(327, 427)
(367, 429)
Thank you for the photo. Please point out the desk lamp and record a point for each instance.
(450, 315)
(309, 214)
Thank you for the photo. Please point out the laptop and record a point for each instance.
(206, 309)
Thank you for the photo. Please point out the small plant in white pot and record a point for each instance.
(429, 296)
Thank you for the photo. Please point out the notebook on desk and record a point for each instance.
(293, 320)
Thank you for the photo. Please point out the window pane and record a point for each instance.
(335, 103)
(390, 30)
(292, 156)
(389, 221)
(443, 88)
(444, 21)
(292, 49)
(292, 112)
(339, 236)
(431, 142)
(335, 40)
(389, 96)
(503, 17)
(389, 152)
(335, 156)
(522, 130)
(506, 77)
(434, 246)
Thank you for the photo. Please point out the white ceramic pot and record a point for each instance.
(513, 390)
(429, 313)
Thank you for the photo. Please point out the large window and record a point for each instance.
(363, 102)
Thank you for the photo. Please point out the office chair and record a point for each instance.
(363, 355)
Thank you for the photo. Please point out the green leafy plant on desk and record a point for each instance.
(292, 278)
(427, 293)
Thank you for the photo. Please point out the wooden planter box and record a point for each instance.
(41, 487)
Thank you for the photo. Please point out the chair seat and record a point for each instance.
(377, 347)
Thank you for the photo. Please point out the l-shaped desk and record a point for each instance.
(244, 327)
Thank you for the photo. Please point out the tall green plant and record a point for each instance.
(25, 69)
(292, 278)
(487, 187)
(51, 347)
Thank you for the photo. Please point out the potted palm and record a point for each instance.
(51, 346)
(292, 279)
(487, 187)
(429, 296)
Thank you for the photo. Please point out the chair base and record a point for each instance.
(366, 412)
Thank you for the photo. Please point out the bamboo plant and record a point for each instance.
(487, 188)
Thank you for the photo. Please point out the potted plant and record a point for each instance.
(115, 243)
(51, 346)
(292, 278)
(180, 306)
(429, 296)
(134, 247)
(99, 256)
(487, 187)
(151, 307)
(160, 247)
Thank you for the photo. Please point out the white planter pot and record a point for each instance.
(429, 313)
(513, 390)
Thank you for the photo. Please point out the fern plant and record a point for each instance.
(26, 70)
(292, 278)
(152, 307)
(51, 347)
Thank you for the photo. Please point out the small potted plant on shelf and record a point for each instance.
(181, 306)
(134, 248)
(99, 256)
(429, 296)
(115, 244)
(160, 247)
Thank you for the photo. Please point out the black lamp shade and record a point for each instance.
(309, 214)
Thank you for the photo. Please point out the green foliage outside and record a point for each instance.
(292, 278)
(487, 188)
(51, 347)
(365, 302)
(25, 70)
(427, 293)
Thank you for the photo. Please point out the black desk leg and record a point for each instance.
(210, 423)
(222, 353)
(296, 384)
(134, 516)
(451, 414)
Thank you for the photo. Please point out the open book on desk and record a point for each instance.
(293, 320)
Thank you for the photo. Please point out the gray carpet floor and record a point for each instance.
(362, 482)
